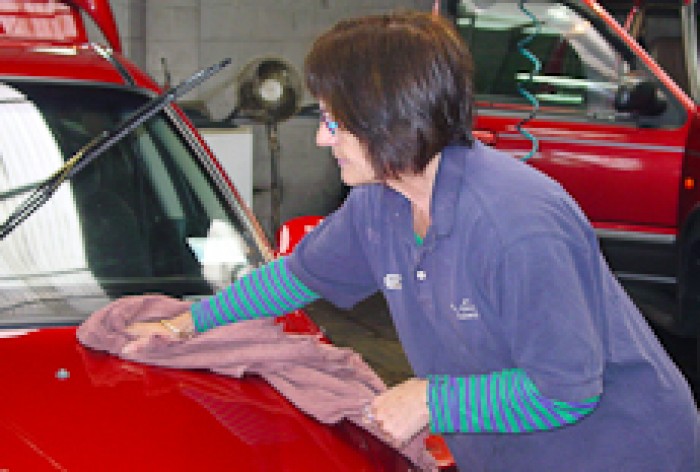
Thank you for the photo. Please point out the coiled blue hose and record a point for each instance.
(537, 66)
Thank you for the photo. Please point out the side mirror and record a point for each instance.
(292, 231)
(641, 99)
(288, 236)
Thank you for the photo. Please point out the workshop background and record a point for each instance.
(171, 39)
(177, 37)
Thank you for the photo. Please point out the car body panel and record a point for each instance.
(635, 174)
(605, 167)
(690, 194)
(66, 407)
(151, 418)
(620, 175)
(88, 63)
(52, 22)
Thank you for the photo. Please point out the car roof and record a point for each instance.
(57, 22)
(48, 40)
(88, 63)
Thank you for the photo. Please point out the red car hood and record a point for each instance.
(65, 407)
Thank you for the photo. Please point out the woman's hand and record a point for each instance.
(402, 411)
(179, 327)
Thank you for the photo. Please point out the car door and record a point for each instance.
(558, 86)
(622, 168)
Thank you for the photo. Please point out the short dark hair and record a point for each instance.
(400, 82)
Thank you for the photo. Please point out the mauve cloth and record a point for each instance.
(326, 382)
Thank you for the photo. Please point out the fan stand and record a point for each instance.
(275, 187)
(269, 91)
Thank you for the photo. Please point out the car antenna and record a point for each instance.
(98, 145)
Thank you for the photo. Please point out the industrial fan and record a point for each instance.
(269, 91)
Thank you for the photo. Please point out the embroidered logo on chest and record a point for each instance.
(392, 281)
(465, 310)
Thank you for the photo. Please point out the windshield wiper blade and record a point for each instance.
(13, 192)
(45, 189)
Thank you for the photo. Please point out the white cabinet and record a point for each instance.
(233, 148)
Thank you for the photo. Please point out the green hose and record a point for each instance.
(537, 66)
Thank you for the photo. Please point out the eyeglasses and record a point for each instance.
(331, 125)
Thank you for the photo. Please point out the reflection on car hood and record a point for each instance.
(22, 305)
(13, 333)
(65, 407)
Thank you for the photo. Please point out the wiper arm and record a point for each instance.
(46, 188)
(13, 192)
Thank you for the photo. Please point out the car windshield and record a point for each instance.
(147, 216)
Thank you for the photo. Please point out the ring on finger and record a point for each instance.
(368, 414)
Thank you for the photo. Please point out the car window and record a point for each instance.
(658, 27)
(582, 67)
(659, 32)
(146, 216)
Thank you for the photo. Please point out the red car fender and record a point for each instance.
(287, 237)
(292, 231)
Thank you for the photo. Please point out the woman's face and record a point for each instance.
(352, 157)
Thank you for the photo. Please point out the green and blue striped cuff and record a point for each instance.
(270, 290)
(502, 402)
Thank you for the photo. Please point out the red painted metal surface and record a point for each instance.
(54, 22)
(41, 21)
(636, 177)
(690, 195)
(116, 415)
(292, 232)
(65, 407)
(101, 12)
(110, 414)
(617, 174)
(80, 63)
(620, 176)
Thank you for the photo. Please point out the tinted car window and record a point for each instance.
(658, 27)
(581, 68)
(146, 216)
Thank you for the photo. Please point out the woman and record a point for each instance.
(528, 355)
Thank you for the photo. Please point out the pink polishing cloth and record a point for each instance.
(326, 382)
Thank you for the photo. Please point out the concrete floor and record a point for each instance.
(368, 329)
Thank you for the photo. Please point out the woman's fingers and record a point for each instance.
(133, 346)
(146, 329)
(401, 411)
(142, 334)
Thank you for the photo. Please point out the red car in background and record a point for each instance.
(153, 213)
(603, 97)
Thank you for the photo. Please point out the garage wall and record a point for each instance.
(191, 34)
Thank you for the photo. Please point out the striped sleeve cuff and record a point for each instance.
(501, 402)
(270, 290)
